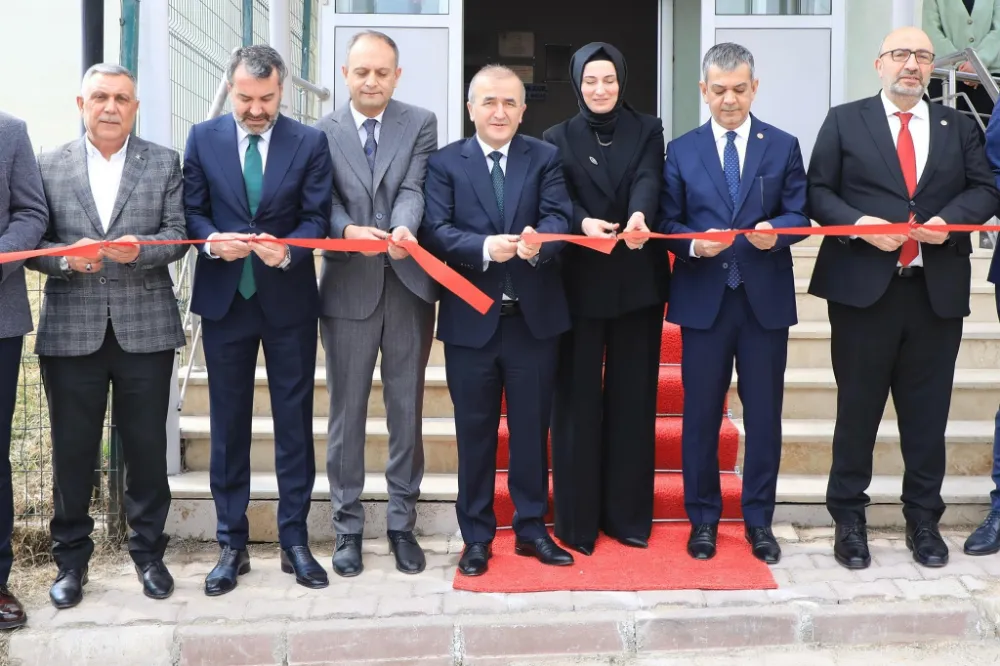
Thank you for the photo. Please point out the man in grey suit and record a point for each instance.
(23, 216)
(109, 316)
(373, 302)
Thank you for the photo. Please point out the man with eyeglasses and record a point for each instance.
(896, 302)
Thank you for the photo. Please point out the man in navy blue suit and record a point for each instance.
(985, 540)
(251, 178)
(732, 300)
(484, 197)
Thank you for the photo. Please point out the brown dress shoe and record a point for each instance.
(11, 612)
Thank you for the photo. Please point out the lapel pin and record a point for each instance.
(760, 135)
(944, 122)
(593, 160)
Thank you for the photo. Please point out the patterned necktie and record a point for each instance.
(908, 163)
(253, 179)
(370, 145)
(731, 167)
(496, 173)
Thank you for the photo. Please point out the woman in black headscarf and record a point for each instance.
(603, 432)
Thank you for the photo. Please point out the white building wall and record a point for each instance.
(42, 85)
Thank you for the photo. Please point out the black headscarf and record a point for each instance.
(602, 123)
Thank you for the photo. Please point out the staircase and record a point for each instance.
(809, 411)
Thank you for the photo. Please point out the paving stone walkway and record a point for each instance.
(386, 617)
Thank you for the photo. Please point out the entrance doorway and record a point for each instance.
(538, 42)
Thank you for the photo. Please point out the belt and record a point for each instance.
(909, 271)
(508, 308)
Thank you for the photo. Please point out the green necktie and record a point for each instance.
(253, 178)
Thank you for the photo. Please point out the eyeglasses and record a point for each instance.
(902, 55)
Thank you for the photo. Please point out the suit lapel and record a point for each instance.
(135, 165)
(479, 176)
(756, 147)
(710, 158)
(281, 149)
(873, 114)
(227, 153)
(394, 123)
(938, 137)
(518, 161)
(347, 137)
(81, 183)
(586, 151)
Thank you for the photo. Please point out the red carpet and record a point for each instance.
(665, 565)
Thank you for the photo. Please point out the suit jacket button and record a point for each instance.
(103, 280)
(378, 216)
(725, 265)
(913, 203)
(252, 225)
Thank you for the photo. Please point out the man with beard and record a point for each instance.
(896, 302)
(252, 178)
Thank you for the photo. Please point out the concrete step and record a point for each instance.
(805, 445)
(811, 393)
(437, 401)
(800, 501)
(809, 345)
(804, 257)
(982, 302)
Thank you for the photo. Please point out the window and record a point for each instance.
(772, 7)
(392, 6)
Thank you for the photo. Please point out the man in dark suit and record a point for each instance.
(109, 319)
(896, 302)
(258, 173)
(485, 196)
(732, 300)
(985, 540)
(23, 217)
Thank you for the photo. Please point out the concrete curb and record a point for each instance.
(471, 640)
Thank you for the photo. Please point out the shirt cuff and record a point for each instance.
(691, 252)
(208, 245)
(486, 253)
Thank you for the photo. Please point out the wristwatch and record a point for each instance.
(64, 265)
(288, 258)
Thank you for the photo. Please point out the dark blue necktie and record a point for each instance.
(370, 145)
(496, 174)
(731, 167)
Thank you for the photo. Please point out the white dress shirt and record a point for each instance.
(742, 136)
(359, 122)
(920, 130)
(242, 143)
(105, 179)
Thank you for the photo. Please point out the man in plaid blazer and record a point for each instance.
(22, 222)
(110, 316)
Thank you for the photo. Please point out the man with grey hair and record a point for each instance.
(252, 178)
(376, 302)
(23, 217)
(109, 318)
(896, 301)
(733, 299)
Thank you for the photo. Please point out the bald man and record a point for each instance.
(896, 302)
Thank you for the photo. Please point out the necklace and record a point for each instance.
(601, 142)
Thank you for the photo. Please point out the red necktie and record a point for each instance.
(908, 163)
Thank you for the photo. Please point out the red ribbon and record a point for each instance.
(461, 287)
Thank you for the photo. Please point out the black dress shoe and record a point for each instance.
(222, 578)
(347, 555)
(765, 546)
(850, 545)
(583, 548)
(409, 555)
(701, 543)
(633, 542)
(300, 561)
(157, 583)
(545, 550)
(929, 549)
(11, 611)
(986, 539)
(67, 591)
(475, 559)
